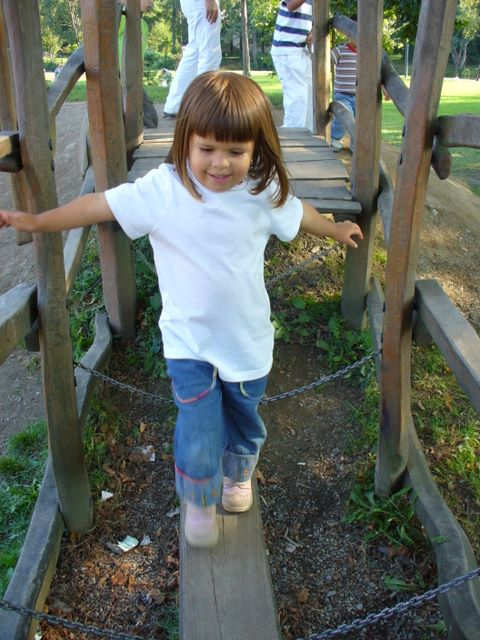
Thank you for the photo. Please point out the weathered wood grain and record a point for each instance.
(17, 313)
(375, 309)
(459, 131)
(365, 161)
(58, 92)
(207, 578)
(431, 53)
(453, 552)
(453, 334)
(132, 72)
(319, 170)
(350, 207)
(108, 153)
(324, 189)
(23, 20)
(385, 201)
(321, 65)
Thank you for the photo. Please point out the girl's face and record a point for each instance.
(219, 166)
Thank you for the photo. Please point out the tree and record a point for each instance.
(467, 25)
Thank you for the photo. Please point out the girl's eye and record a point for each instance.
(205, 149)
(234, 152)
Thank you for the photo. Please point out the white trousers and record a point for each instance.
(294, 68)
(202, 53)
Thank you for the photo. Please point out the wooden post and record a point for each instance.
(431, 53)
(366, 158)
(133, 90)
(321, 66)
(108, 150)
(23, 22)
(8, 122)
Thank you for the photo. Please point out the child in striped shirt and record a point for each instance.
(344, 58)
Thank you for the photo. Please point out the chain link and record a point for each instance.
(401, 607)
(357, 624)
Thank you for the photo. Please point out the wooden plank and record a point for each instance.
(431, 54)
(58, 92)
(17, 313)
(133, 74)
(108, 153)
(459, 131)
(350, 207)
(6, 143)
(453, 552)
(226, 592)
(453, 334)
(365, 161)
(376, 308)
(152, 150)
(320, 170)
(30, 583)
(10, 158)
(385, 201)
(321, 65)
(23, 20)
(8, 121)
(324, 189)
(308, 154)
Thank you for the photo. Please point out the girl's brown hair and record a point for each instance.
(230, 107)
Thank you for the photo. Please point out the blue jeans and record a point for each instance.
(348, 100)
(218, 430)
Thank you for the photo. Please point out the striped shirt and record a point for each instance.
(292, 27)
(344, 58)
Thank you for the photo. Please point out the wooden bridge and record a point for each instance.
(121, 151)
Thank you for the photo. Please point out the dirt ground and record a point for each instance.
(322, 572)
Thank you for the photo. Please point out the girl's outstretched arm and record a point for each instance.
(82, 212)
(318, 225)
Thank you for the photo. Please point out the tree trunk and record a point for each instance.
(245, 47)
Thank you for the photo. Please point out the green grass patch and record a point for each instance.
(21, 471)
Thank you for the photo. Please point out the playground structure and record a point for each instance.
(408, 307)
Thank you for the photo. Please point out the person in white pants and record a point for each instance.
(292, 61)
(202, 53)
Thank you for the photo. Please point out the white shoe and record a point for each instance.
(201, 528)
(237, 496)
(337, 145)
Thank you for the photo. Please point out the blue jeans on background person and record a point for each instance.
(348, 100)
(218, 430)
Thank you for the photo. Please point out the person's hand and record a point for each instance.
(344, 232)
(211, 8)
(18, 219)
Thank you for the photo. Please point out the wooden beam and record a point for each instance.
(8, 121)
(453, 334)
(366, 157)
(17, 313)
(453, 552)
(459, 131)
(57, 93)
(385, 201)
(10, 158)
(321, 66)
(431, 53)
(133, 74)
(376, 309)
(108, 152)
(23, 23)
(226, 592)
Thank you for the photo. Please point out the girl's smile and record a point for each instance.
(219, 166)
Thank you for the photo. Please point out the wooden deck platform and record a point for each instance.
(317, 175)
(226, 592)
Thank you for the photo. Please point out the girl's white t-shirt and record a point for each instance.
(209, 257)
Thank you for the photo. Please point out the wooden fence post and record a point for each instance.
(321, 66)
(133, 74)
(366, 158)
(431, 54)
(23, 22)
(8, 122)
(108, 151)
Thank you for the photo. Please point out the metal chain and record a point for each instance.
(280, 396)
(358, 623)
(69, 624)
(401, 607)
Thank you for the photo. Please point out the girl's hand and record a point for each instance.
(344, 232)
(19, 220)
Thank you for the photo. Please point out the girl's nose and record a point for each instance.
(220, 160)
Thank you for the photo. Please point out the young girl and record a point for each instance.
(209, 212)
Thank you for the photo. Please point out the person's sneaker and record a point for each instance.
(201, 528)
(237, 496)
(337, 145)
(169, 116)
